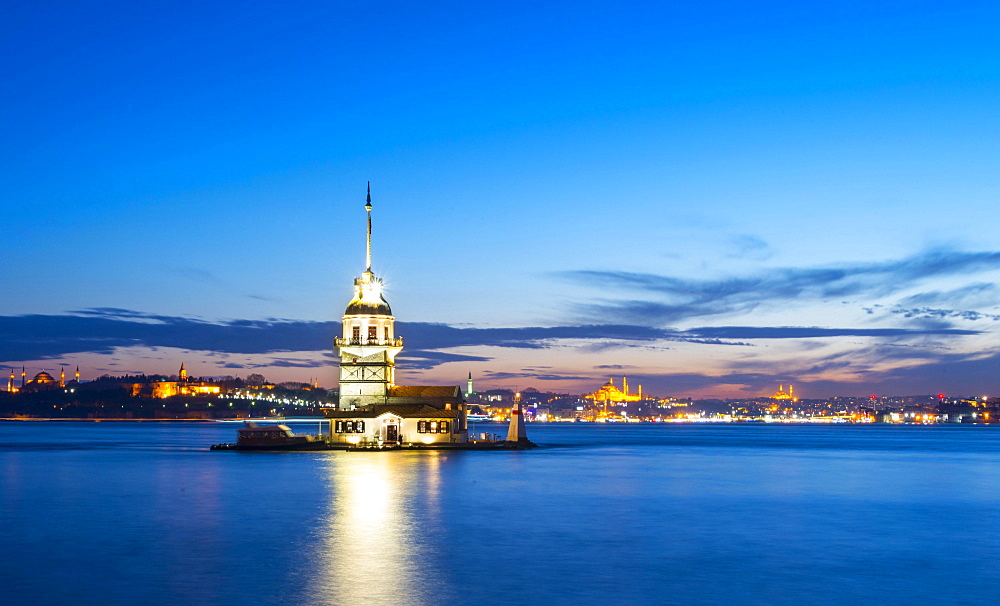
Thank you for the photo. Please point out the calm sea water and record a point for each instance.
(128, 513)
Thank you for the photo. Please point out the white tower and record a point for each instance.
(368, 344)
(515, 431)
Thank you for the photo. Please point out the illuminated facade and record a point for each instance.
(371, 407)
(41, 381)
(181, 387)
(609, 393)
(368, 344)
(781, 394)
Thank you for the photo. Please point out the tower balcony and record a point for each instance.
(342, 342)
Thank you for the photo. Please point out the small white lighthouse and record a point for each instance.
(516, 433)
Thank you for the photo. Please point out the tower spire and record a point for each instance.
(368, 250)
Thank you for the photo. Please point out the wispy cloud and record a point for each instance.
(530, 375)
(103, 330)
(813, 332)
(750, 247)
(31, 337)
(671, 299)
(887, 369)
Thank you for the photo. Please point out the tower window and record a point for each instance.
(386, 333)
(356, 335)
(373, 333)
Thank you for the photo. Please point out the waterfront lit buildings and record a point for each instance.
(183, 386)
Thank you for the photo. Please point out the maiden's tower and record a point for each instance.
(372, 408)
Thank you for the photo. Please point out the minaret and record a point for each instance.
(791, 390)
(625, 385)
(468, 386)
(77, 374)
(367, 345)
(10, 382)
(62, 377)
(23, 375)
(183, 374)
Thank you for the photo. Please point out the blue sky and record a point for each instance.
(710, 197)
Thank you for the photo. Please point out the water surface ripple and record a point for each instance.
(126, 513)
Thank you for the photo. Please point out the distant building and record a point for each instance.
(183, 386)
(782, 395)
(371, 407)
(609, 393)
(42, 381)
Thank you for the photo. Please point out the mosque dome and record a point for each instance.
(43, 377)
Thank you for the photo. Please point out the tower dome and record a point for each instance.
(368, 299)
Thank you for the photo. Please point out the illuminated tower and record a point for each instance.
(77, 374)
(183, 374)
(368, 344)
(468, 387)
(62, 377)
(515, 431)
(23, 374)
(10, 382)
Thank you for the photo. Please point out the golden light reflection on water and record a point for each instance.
(371, 551)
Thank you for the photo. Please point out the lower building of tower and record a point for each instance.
(412, 415)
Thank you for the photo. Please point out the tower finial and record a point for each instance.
(368, 251)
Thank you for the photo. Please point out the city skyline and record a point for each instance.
(712, 200)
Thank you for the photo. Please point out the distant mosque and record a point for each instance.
(371, 407)
(610, 393)
(42, 381)
(782, 395)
